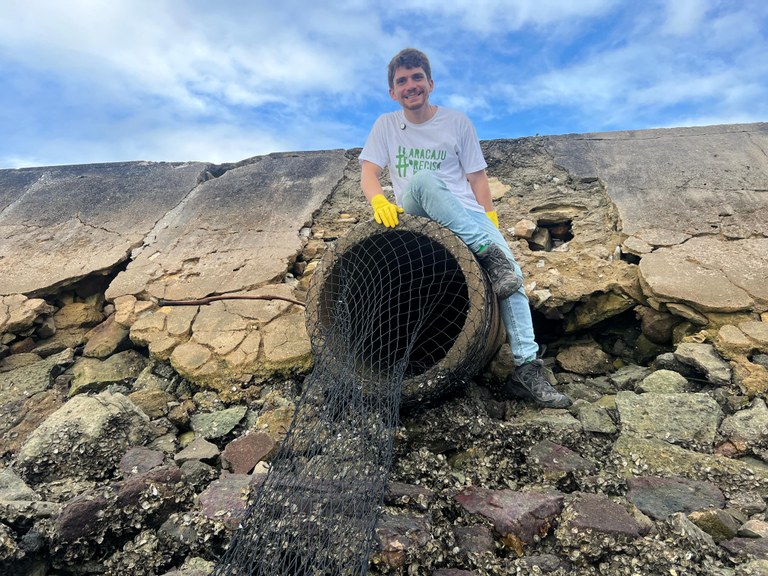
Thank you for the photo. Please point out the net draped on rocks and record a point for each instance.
(396, 317)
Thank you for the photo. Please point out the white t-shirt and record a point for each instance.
(447, 144)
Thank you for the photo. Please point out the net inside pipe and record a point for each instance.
(386, 312)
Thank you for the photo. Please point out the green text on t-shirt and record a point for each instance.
(418, 159)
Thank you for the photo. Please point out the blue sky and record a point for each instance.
(87, 81)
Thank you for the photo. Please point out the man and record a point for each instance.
(438, 171)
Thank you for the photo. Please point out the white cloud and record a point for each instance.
(684, 16)
(649, 75)
(85, 80)
(502, 15)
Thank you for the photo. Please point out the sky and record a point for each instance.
(90, 81)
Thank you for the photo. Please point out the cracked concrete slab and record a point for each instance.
(704, 180)
(235, 232)
(59, 224)
(709, 274)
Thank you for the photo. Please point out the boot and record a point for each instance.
(528, 382)
(504, 279)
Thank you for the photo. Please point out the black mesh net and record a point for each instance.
(396, 317)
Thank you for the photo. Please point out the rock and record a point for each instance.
(276, 420)
(19, 419)
(474, 539)
(46, 328)
(93, 375)
(656, 326)
(687, 313)
(417, 497)
(153, 402)
(748, 502)
(193, 567)
(225, 499)
(286, 343)
(685, 419)
(656, 457)
(68, 338)
(747, 429)
(198, 473)
(28, 380)
(667, 361)
(198, 449)
(664, 382)
(595, 418)
(594, 525)
(398, 536)
(192, 359)
(138, 460)
(519, 517)
(153, 492)
(553, 462)
(751, 378)
(218, 329)
(178, 530)
(636, 246)
(660, 497)
(597, 308)
(27, 512)
(524, 229)
(753, 568)
(553, 421)
(82, 517)
(731, 342)
(106, 339)
(754, 529)
(755, 547)
(586, 358)
(703, 357)
(219, 423)
(628, 377)
(243, 453)
(691, 534)
(22, 346)
(717, 523)
(498, 188)
(543, 564)
(541, 240)
(19, 313)
(77, 315)
(84, 439)
(13, 487)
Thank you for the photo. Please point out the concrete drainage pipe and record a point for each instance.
(413, 294)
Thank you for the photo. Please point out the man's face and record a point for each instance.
(411, 88)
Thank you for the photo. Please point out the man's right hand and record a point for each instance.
(384, 211)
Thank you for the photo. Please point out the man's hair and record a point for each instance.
(408, 58)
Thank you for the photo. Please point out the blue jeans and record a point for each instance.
(428, 196)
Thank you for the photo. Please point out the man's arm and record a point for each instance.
(481, 189)
(369, 179)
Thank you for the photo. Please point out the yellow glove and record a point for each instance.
(494, 217)
(384, 211)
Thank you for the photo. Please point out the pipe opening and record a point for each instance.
(388, 281)
(411, 301)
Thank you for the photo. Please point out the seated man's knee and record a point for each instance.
(424, 179)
